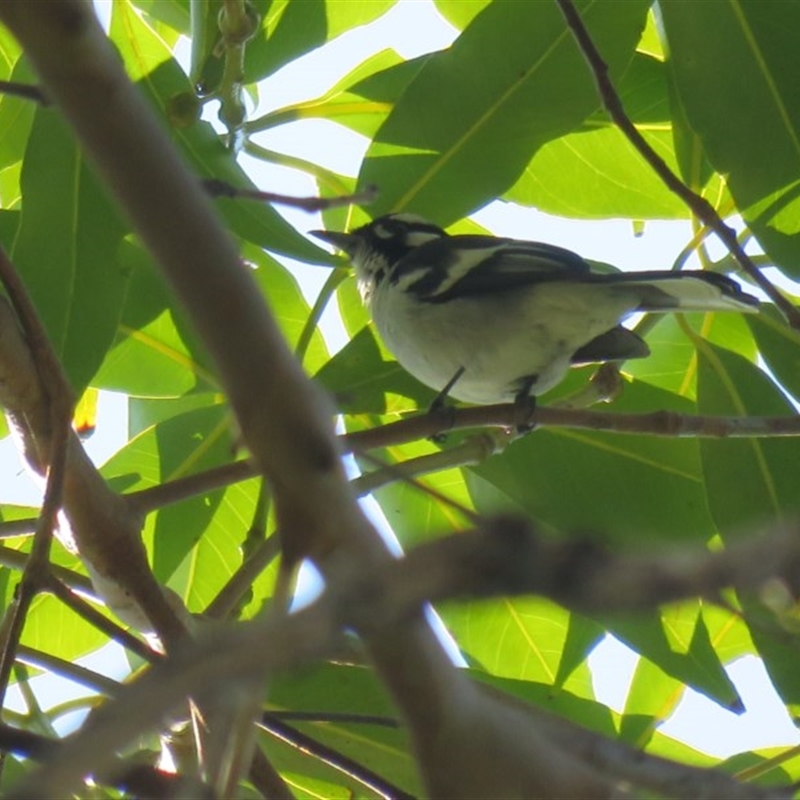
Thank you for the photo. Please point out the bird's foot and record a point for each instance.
(444, 416)
(438, 408)
(526, 411)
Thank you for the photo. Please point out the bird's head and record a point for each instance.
(375, 248)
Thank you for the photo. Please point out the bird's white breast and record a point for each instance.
(498, 338)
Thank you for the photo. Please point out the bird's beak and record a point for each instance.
(344, 241)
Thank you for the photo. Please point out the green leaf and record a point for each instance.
(361, 100)
(162, 79)
(286, 302)
(582, 637)
(9, 224)
(652, 697)
(750, 126)
(156, 353)
(414, 513)
(596, 173)
(175, 13)
(672, 363)
(770, 766)
(207, 566)
(291, 28)
(458, 13)
(780, 347)
(66, 247)
(182, 445)
(728, 632)
(388, 84)
(466, 126)
(50, 626)
(583, 710)
(521, 638)
(10, 52)
(53, 628)
(351, 690)
(207, 63)
(16, 117)
(686, 655)
(695, 169)
(346, 16)
(152, 361)
(748, 481)
(360, 379)
(144, 412)
(623, 488)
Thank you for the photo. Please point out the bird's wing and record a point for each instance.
(460, 266)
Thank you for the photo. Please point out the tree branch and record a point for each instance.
(219, 188)
(506, 556)
(507, 416)
(92, 680)
(52, 451)
(103, 528)
(25, 91)
(284, 418)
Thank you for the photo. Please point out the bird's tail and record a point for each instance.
(686, 291)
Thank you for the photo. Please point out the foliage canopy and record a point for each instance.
(712, 89)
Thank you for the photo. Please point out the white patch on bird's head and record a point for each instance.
(414, 225)
(382, 243)
(410, 229)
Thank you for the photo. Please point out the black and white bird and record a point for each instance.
(489, 320)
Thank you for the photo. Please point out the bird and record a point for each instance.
(485, 319)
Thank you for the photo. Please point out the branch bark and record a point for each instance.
(284, 419)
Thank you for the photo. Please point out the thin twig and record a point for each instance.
(229, 597)
(267, 779)
(164, 494)
(407, 471)
(509, 415)
(320, 304)
(339, 761)
(333, 717)
(61, 402)
(95, 618)
(16, 559)
(505, 415)
(699, 206)
(12, 528)
(24, 90)
(139, 779)
(75, 672)
(219, 188)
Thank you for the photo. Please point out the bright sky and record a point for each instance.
(414, 27)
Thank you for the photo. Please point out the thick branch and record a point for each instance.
(103, 527)
(506, 556)
(284, 419)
